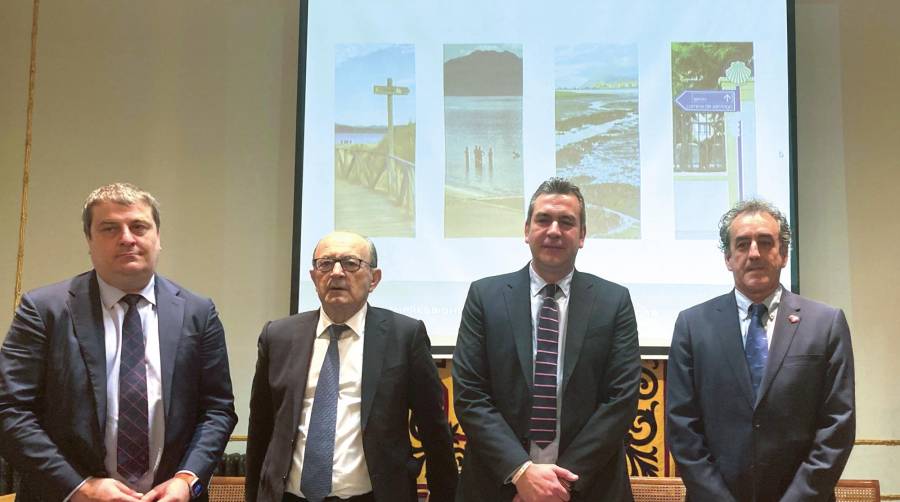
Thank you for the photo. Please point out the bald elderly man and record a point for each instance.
(329, 409)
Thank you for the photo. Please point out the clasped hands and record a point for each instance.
(544, 483)
(111, 490)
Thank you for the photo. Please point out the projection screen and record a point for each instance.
(427, 126)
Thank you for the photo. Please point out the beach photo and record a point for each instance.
(483, 186)
(597, 140)
(375, 139)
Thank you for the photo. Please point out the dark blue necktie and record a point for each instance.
(133, 442)
(757, 349)
(318, 457)
(546, 357)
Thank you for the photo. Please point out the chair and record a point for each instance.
(858, 490)
(226, 489)
(672, 490)
(657, 489)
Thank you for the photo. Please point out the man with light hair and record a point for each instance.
(114, 384)
(760, 387)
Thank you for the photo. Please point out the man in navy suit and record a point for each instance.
(350, 442)
(546, 370)
(760, 390)
(114, 384)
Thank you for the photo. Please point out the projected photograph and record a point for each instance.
(375, 139)
(483, 190)
(714, 132)
(597, 141)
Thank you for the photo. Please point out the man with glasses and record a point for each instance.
(329, 408)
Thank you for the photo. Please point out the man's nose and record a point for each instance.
(754, 250)
(126, 237)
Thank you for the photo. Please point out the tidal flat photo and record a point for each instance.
(483, 184)
(597, 140)
(375, 139)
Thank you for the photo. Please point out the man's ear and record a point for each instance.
(376, 278)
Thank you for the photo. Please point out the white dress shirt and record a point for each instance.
(743, 304)
(351, 474)
(113, 315)
(549, 453)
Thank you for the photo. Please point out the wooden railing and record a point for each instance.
(391, 175)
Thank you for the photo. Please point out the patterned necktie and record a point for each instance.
(757, 349)
(543, 402)
(318, 457)
(133, 443)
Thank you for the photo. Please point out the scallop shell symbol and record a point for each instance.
(738, 72)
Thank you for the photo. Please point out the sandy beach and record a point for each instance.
(471, 215)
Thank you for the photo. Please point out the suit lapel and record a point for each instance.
(782, 337)
(373, 359)
(581, 297)
(302, 339)
(87, 320)
(170, 317)
(726, 318)
(517, 296)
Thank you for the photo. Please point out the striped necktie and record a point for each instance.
(543, 403)
(133, 439)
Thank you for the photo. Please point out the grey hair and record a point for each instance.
(373, 254)
(753, 206)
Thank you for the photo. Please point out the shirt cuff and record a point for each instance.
(512, 478)
(69, 496)
(195, 484)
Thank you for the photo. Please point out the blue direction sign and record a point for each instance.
(709, 101)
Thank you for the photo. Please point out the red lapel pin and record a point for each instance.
(793, 319)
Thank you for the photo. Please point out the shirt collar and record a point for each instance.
(538, 283)
(111, 295)
(356, 323)
(771, 302)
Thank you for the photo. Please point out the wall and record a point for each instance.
(848, 122)
(195, 101)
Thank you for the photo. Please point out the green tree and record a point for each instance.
(698, 65)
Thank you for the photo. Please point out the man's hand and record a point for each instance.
(104, 489)
(544, 482)
(173, 490)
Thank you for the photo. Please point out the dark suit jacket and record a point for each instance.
(398, 375)
(493, 376)
(793, 442)
(53, 386)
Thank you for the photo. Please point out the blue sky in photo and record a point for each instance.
(581, 65)
(360, 67)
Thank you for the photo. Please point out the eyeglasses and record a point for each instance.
(348, 264)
